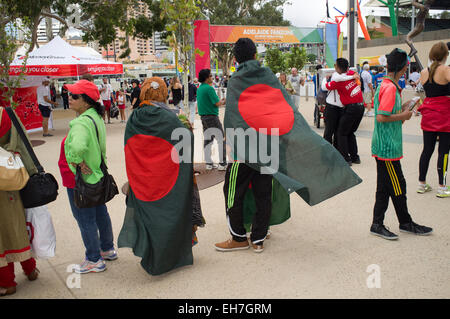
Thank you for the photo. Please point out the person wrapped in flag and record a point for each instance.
(284, 148)
(159, 218)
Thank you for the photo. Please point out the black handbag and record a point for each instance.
(114, 111)
(42, 187)
(92, 195)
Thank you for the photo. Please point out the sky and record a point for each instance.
(308, 13)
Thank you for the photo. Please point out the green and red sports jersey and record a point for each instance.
(387, 142)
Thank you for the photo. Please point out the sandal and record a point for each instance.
(33, 275)
(4, 291)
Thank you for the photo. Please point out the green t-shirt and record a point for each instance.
(387, 142)
(82, 144)
(206, 100)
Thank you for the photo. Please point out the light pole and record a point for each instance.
(352, 35)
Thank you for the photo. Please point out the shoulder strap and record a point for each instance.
(26, 142)
(96, 129)
(98, 139)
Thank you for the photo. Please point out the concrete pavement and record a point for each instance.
(325, 251)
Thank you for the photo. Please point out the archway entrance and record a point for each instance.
(205, 34)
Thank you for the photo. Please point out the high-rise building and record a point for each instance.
(142, 50)
(42, 33)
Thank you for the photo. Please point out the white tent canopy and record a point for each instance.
(59, 59)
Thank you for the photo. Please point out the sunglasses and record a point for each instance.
(75, 96)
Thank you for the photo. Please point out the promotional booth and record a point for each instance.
(56, 59)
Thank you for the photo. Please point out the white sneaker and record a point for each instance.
(371, 114)
(211, 166)
(443, 192)
(109, 255)
(222, 167)
(423, 188)
(89, 266)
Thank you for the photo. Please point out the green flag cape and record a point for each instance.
(158, 219)
(301, 160)
(281, 206)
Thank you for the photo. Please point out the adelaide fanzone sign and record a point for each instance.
(205, 34)
(263, 34)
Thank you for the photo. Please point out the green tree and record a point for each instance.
(296, 58)
(275, 60)
(8, 47)
(98, 20)
(311, 58)
(241, 12)
(180, 15)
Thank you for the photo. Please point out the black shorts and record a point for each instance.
(45, 110)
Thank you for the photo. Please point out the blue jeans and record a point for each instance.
(93, 221)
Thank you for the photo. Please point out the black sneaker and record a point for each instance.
(356, 161)
(415, 229)
(382, 231)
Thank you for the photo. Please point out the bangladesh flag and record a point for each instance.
(285, 146)
(281, 206)
(158, 219)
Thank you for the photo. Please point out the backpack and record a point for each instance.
(114, 111)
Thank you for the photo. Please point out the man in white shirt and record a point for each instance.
(333, 112)
(296, 81)
(414, 77)
(105, 95)
(45, 104)
(368, 91)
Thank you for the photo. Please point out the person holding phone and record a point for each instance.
(387, 149)
(435, 122)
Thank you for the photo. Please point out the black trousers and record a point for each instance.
(66, 102)
(237, 179)
(332, 116)
(213, 122)
(429, 143)
(390, 184)
(348, 124)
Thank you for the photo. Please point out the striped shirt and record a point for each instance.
(387, 142)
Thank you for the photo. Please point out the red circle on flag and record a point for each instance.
(264, 107)
(152, 165)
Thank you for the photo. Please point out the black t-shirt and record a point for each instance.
(135, 94)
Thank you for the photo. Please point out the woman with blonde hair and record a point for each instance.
(435, 122)
(176, 88)
(287, 84)
(121, 105)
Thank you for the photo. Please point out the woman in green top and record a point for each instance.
(83, 148)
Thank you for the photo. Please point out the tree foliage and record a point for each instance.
(296, 58)
(275, 60)
(180, 15)
(8, 47)
(279, 61)
(98, 20)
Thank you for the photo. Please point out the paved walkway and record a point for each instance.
(324, 251)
